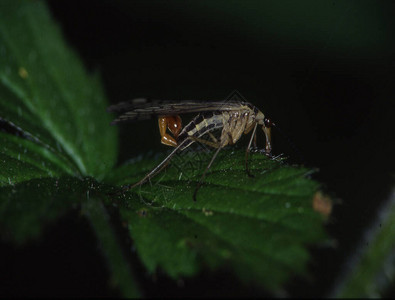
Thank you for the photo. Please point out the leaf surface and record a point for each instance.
(257, 227)
(45, 92)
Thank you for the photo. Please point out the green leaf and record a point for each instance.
(45, 92)
(258, 227)
(371, 271)
(59, 115)
(28, 206)
(22, 160)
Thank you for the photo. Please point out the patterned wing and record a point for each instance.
(141, 109)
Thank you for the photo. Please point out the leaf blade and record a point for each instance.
(258, 227)
(26, 207)
(28, 152)
(47, 78)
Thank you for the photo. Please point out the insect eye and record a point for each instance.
(268, 122)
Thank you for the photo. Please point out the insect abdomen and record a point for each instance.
(200, 125)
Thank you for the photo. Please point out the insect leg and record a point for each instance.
(253, 137)
(268, 147)
(157, 169)
(255, 145)
(205, 171)
(203, 141)
(213, 138)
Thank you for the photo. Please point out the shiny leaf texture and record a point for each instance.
(45, 92)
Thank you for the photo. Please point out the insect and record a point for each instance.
(232, 118)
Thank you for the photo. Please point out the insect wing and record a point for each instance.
(137, 109)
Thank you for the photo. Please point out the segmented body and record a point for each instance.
(233, 125)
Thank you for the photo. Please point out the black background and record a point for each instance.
(328, 85)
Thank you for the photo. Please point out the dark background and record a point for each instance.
(322, 70)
